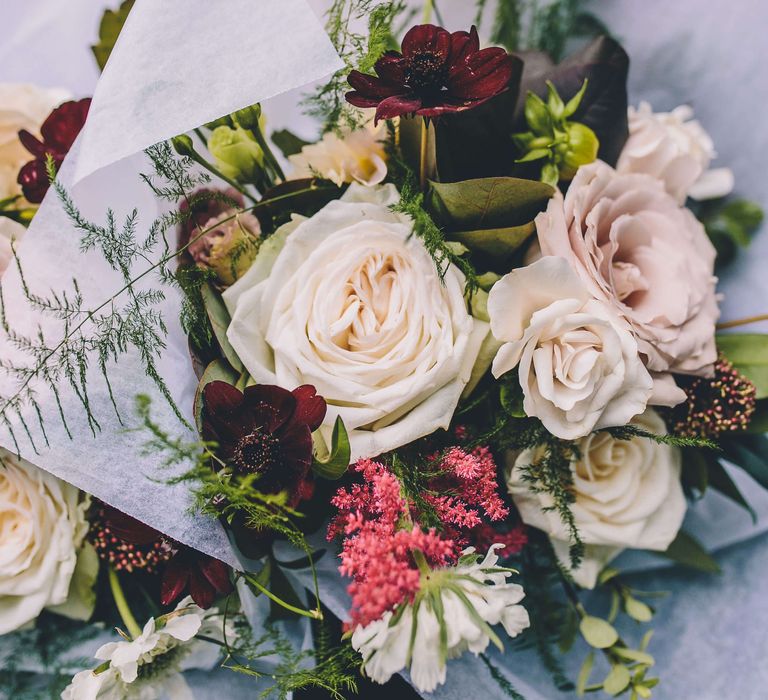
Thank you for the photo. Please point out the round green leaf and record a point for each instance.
(617, 680)
(598, 633)
(637, 610)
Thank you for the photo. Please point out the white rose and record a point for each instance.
(628, 494)
(10, 230)
(674, 148)
(578, 363)
(21, 107)
(42, 525)
(353, 305)
(354, 156)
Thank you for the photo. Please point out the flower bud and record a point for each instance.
(582, 146)
(236, 152)
(248, 117)
(182, 144)
(229, 247)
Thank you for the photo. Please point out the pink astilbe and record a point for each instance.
(378, 541)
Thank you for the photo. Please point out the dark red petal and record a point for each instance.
(310, 408)
(397, 106)
(221, 398)
(217, 573)
(201, 590)
(427, 37)
(391, 68)
(174, 582)
(483, 75)
(224, 410)
(129, 529)
(371, 86)
(62, 126)
(33, 179)
(296, 450)
(33, 144)
(463, 45)
(272, 406)
(358, 100)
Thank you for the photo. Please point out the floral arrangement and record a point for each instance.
(466, 345)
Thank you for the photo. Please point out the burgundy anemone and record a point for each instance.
(436, 73)
(265, 430)
(129, 545)
(59, 131)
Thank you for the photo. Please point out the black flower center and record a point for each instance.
(257, 452)
(426, 71)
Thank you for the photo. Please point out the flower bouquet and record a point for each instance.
(452, 358)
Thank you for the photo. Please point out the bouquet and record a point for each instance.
(454, 357)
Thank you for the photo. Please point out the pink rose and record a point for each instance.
(637, 249)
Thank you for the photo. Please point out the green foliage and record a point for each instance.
(503, 683)
(730, 225)
(687, 551)
(337, 462)
(748, 352)
(288, 143)
(630, 432)
(111, 25)
(357, 51)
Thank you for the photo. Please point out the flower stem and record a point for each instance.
(742, 321)
(427, 16)
(315, 614)
(423, 156)
(421, 561)
(122, 604)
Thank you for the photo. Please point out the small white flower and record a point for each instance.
(673, 147)
(459, 604)
(144, 667)
(354, 156)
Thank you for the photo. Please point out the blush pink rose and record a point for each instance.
(637, 249)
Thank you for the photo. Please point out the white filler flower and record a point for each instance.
(453, 612)
(149, 665)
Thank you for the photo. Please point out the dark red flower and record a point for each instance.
(130, 545)
(436, 73)
(59, 131)
(265, 430)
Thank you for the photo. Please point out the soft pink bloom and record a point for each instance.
(648, 257)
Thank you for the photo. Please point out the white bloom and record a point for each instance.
(10, 230)
(147, 666)
(352, 303)
(673, 147)
(578, 362)
(628, 494)
(42, 525)
(21, 107)
(466, 599)
(355, 156)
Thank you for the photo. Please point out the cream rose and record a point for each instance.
(577, 361)
(673, 147)
(42, 525)
(628, 494)
(351, 302)
(21, 107)
(10, 230)
(649, 258)
(354, 156)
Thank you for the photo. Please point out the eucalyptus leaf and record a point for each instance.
(337, 463)
(597, 632)
(687, 551)
(749, 354)
(637, 610)
(617, 680)
(634, 655)
(220, 320)
(584, 673)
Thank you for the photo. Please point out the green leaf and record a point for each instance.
(218, 370)
(637, 610)
(617, 680)
(750, 452)
(81, 599)
(500, 242)
(749, 354)
(288, 143)
(687, 551)
(337, 463)
(634, 655)
(730, 225)
(575, 102)
(584, 672)
(759, 421)
(111, 25)
(220, 320)
(598, 633)
(720, 480)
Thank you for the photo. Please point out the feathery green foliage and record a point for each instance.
(358, 51)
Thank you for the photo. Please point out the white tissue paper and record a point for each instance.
(177, 65)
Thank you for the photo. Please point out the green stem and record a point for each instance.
(122, 605)
(268, 154)
(742, 321)
(423, 155)
(421, 561)
(252, 581)
(427, 15)
(213, 169)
